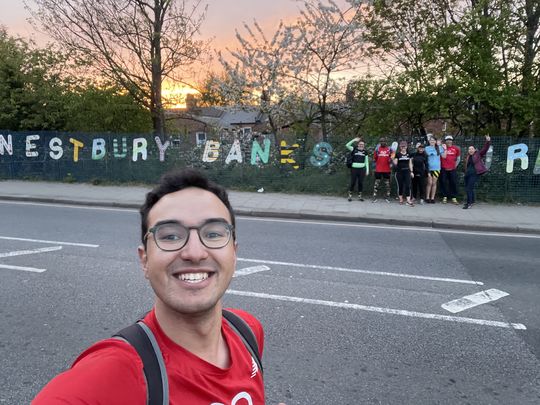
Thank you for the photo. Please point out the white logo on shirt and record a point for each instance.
(238, 397)
(254, 368)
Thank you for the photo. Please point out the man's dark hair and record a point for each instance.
(177, 180)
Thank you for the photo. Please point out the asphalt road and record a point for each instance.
(353, 313)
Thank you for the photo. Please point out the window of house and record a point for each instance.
(201, 138)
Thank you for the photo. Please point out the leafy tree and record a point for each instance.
(133, 43)
(105, 109)
(32, 86)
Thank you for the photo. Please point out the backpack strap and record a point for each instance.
(141, 337)
(242, 329)
(144, 342)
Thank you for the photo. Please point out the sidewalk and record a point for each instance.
(482, 217)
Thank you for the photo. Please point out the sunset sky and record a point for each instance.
(223, 17)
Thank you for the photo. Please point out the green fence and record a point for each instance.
(122, 158)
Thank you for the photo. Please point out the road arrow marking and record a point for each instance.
(250, 270)
(473, 300)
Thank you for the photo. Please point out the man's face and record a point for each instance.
(168, 271)
(449, 142)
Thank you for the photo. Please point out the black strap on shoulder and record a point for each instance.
(142, 339)
(144, 342)
(242, 329)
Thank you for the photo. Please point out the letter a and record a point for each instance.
(235, 153)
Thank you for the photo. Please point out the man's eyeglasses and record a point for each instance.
(171, 236)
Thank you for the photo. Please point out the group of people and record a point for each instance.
(417, 173)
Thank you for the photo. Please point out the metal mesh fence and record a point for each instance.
(52, 156)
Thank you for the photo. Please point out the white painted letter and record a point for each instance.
(55, 145)
(30, 152)
(140, 146)
(6, 145)
(162, 148)
(235, 153)
(211, 151)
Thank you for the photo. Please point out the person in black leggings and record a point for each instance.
(359, 167)
(404, 172)
(420, 170)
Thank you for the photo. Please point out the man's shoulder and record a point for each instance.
(250, 319)
(253, 323)
(111, 364)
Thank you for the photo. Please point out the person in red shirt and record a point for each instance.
(382, 159)
(448, 179)
(188, 255)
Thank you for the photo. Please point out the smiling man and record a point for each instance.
(188, 254)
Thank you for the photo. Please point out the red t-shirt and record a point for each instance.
(382, 158)
(452, 154)
(110, 372)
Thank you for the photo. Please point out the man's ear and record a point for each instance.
(143, 259)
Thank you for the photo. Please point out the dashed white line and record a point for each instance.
(250, 270)
(22, 268)
(473, 300)
(377, 273)
(30, 252)
(391, 311)
(54, 242)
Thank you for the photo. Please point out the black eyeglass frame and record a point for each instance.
(228, 226)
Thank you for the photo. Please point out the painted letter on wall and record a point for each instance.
(140, 145)
(211, 151)
(124, 148)
(518, 151)
(321, 154)
(162, 148)
(8, 146)
(285, 153)
(536, 169)
(30, 152)
(76, 145)
(98, 149)
(489, 157)
(257, 153)
(55, 145)
(235, 153)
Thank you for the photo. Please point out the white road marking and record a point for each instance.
(473, 300)
(377, 273)
(448, 318)
(30, 252)
(50, 241)
(32, 269)
(250, 270)
(394, 227)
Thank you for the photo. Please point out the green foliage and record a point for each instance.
(41, 90)
(105, 109)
